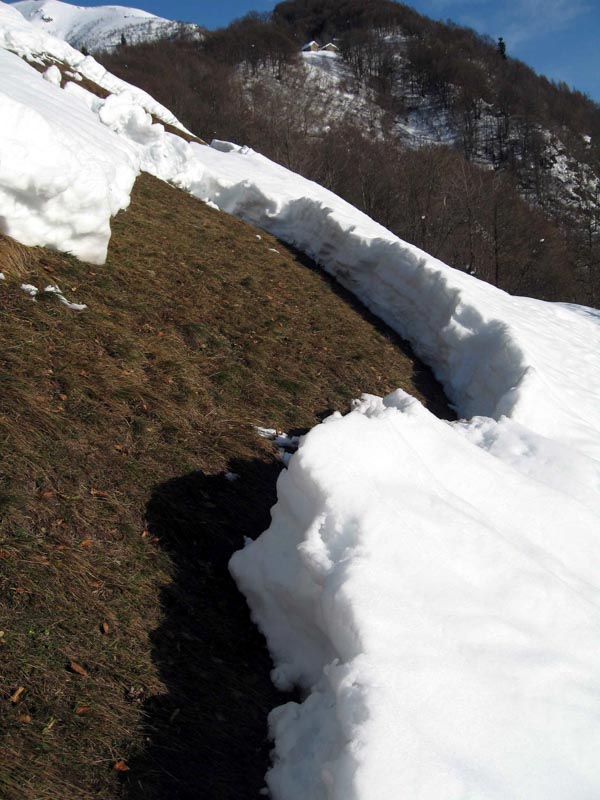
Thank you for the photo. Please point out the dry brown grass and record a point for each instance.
(116, 427)
(16, 261)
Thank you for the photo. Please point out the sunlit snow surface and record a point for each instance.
(433, 587)
(62, 174)
(100, 27)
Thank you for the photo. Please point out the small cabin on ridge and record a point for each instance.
(311, 47)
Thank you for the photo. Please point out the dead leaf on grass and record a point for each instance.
(87, 542)
(98, 493)
(25, 719)
(16, 695)
(104, 628)
(80, 710)
(120, 766)
(77, 668)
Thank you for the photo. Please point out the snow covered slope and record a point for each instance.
(101, 27)
(432, 587)
(63, 172)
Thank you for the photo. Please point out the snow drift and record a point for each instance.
(63, 174)
(441, 608)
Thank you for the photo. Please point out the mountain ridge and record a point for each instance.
(94, 28)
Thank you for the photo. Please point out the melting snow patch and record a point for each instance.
(286, 445)
(53, 75)
(29, 289)
(73, 306)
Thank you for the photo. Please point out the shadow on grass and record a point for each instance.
(207, 737)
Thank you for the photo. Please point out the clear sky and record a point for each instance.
(559, 38)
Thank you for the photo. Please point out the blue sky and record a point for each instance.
(559, 38)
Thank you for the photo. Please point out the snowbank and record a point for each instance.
(495, 354)
(62, 176)
(433, 587)
(68, 159)
(36, 45)
(442, 609)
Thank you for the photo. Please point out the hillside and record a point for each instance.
(93, 28)
(488, 166)
(200, 384)
(126, 418)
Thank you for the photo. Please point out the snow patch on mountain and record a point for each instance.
(39, 47)
(102, 27)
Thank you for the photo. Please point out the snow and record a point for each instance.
(29, 289)
(35, 44)
(429, 585)
(55, 290)
(53, 75)
(441, 611)
(495, 354)
(69, 158)
(432, 587)
(100, 27)
(62, 176)
(33, 292)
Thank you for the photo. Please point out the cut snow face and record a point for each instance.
(431, 586)
(102, 27)
(439, 607)
(62, 176)
(69, 158)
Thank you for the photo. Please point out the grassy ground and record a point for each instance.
(128, 663)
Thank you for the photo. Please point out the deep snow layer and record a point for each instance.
(441, 609)
(63, 171)
(495, 354)
(101, 27)
(62, 176)
(432, 586)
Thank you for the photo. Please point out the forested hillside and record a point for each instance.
(428, 127)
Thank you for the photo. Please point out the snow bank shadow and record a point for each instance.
(207, 735)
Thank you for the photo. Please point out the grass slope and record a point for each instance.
(124, 641)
